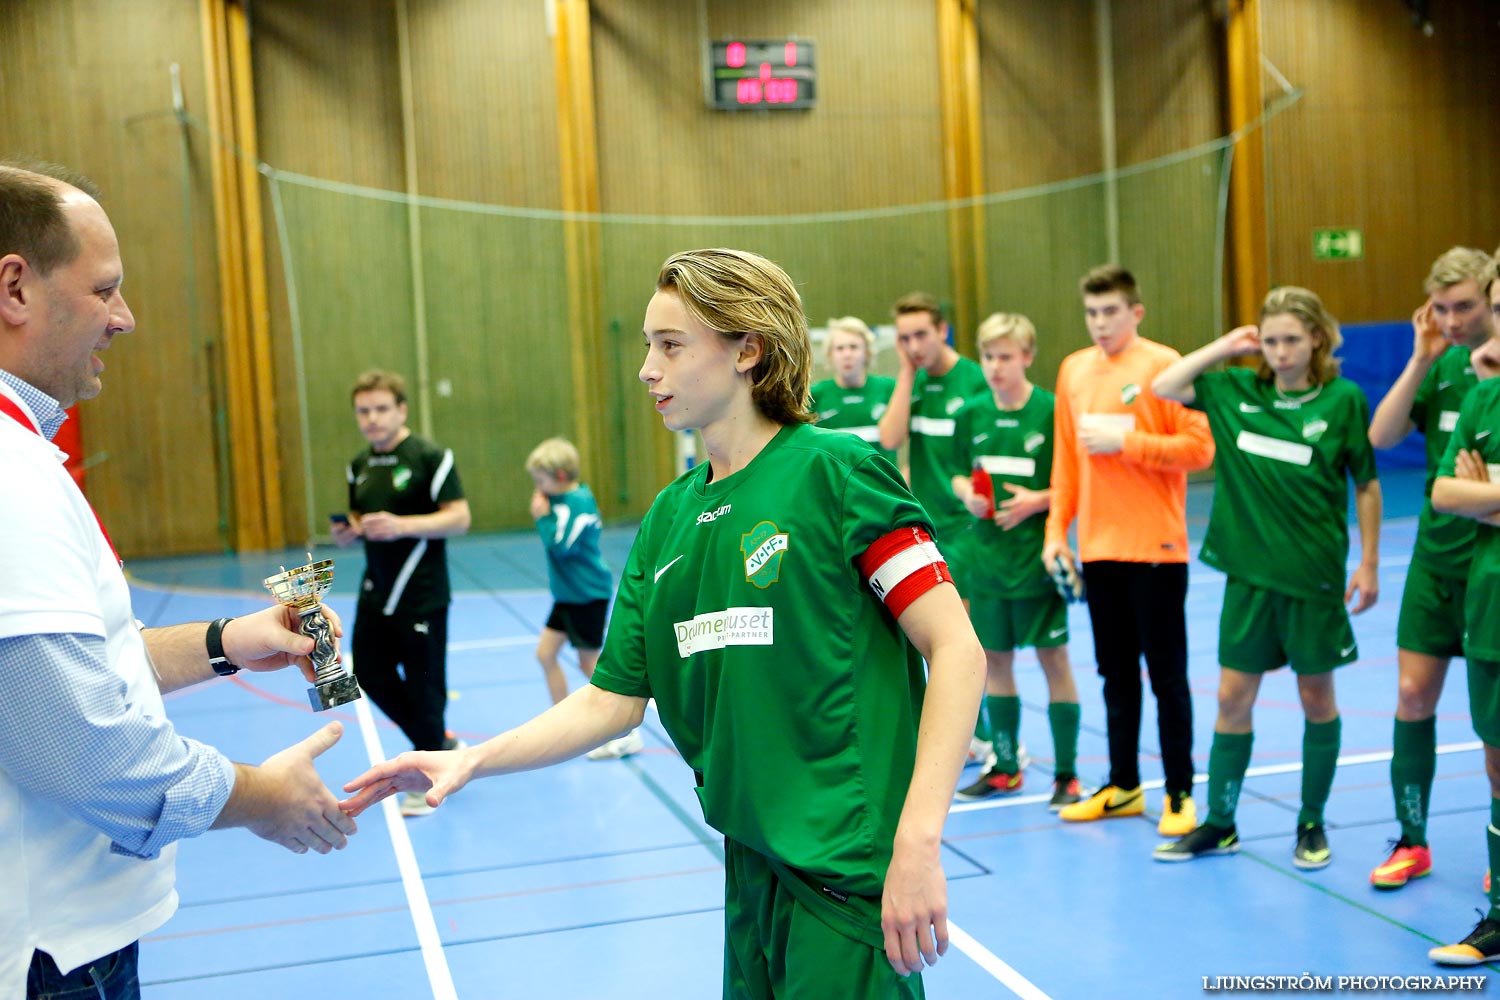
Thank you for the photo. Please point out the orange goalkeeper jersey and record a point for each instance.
(1131, 506)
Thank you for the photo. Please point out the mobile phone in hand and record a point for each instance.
(339, 519)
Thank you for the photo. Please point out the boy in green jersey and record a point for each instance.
(567, 519)
(1286, 437)
(1468, 485)
(777, 604)
(931, 385)
(1005, 436)
(1429, 632)
(853, 400)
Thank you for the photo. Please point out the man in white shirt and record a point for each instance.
(95, 785)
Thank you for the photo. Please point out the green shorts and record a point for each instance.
(957, 549)
(1262, 630)
(1004, 623)
(1484, 700)
(787, 937)
(1431, 621)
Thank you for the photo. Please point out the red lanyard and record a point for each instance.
(10, 409)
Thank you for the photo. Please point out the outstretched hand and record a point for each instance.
(439, 773)
(299, 812)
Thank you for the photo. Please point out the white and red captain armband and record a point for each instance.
(902, 566)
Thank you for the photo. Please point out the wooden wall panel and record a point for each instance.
(87, 84)
(1394, 135)
(873, 142)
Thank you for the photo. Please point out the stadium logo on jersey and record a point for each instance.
(952, 406)
(711, 515)
(1313, 429)
(730, 627)
(1129, 392)
(400, 477)
(763, 548)
(1034, 441)
(1007, 422)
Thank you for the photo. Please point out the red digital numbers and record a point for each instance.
(764, 60)
(734, 54)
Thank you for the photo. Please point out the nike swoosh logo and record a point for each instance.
(1481, 435)
(1346, 650)
(1129, 800)
(1056, 632)
(1443, 385)
(663, 569)
(1249, 408)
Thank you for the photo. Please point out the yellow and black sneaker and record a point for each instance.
(1482, 945)
(1107, 803)
(1203, 842)
(1312, 850)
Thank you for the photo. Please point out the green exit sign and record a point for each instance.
(1338, 244)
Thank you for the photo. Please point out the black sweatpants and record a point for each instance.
(414, 697)
(1137, 609)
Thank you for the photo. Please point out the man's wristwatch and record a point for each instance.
(214, 640)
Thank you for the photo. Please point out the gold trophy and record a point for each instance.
(302, 590)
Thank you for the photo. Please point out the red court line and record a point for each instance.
(323, 917)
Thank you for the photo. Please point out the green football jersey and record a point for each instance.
(1279, 518)
(1013, 446)
(570, 532)
(855, 411)
(779, 674)
(935, 456)
(1478, 429)
(1445, 542)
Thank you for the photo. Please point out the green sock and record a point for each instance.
(1413, 763)
(1063, 717)
(982, 725)
(1227, 759)
(1005, 723)
(1320, 755)
(1492, 838)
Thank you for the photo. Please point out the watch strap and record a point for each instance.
(214, 640)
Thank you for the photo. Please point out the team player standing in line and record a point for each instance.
(1429, 632)
(1286, 436)
(777, 604)
(1005, 436)
(853, 400)
(931, 385)
(1120, 467)
(1468, 484)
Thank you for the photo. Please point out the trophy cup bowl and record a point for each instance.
(301, 589)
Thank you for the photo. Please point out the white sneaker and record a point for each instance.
(626, 745)
(978, 750)
(415, 804)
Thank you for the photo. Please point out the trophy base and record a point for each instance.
(333, 693)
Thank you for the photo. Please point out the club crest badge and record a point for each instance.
(1129, 392)
(400, 477)
(763, 548)
(1313, 429)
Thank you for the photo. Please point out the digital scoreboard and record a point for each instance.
(762, 75)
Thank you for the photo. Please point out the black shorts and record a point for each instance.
(583, 623)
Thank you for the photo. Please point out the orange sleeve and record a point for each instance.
(1187, 445)
(1064, 461)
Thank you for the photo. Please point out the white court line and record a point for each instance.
(993, 964)
(1199, 779)
(406, 860)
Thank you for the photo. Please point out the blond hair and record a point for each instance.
(1459, 264)
(1007, 326)
(1289, 300)
(555, 456)
(735, 293)
(852, 325)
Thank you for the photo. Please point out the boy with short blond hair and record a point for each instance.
(1005, 437)
(567, 519)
